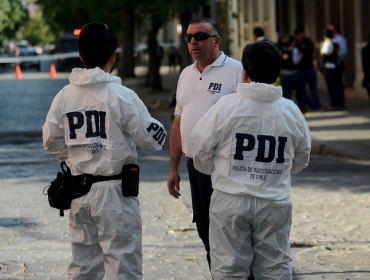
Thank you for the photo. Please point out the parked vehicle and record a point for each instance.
(26, 52)
(67, 43)
(3, 55)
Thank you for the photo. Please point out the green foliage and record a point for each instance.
(122, 15)
(159, 10)
(12, 16)
(184, 7)
(36, 31)
(61, 15)
(67, 15)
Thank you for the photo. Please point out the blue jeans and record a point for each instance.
(295, 81)
(309, 76)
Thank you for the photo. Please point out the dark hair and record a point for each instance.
(262, 61)
(328, 33)
(298, 30)
(214, 25)
(258, 31)
(96, 42)
(286, 41)
(335, 27)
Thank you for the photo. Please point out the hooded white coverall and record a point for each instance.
(94, 125)
(250, 143)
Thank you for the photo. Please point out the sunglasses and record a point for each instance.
(199, 36)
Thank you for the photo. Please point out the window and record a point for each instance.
(255, 10)
(246, 10)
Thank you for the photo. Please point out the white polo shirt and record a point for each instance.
(327, 48)
(198, 92)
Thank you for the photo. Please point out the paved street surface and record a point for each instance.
(331, 210)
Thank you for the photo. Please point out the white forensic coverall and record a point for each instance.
(250, 143)
(94, 125)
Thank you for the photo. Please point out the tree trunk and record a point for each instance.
(185, 55)
(126, 65)
(153, 77)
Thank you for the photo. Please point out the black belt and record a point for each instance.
(82, 183)
(95, 179)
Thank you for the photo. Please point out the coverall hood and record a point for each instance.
(81, 76)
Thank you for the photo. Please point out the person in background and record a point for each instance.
(340, 40)
(159, 52)
(200, 85)
(332, 70)
(306, 47)
(250, 142)
(259, 34)
(291, 76)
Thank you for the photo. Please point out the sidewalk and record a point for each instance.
(337, 133)
(343, 133)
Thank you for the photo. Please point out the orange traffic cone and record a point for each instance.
(53, 72)
(18, 72)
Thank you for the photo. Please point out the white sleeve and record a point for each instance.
(53, 133)
(204, 140)
(327, 47)
(146, 132)
(302, 152)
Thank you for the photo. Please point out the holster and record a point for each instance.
(130, 180)
(60, 192)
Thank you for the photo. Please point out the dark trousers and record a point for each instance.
(296, 81)
(334, 83)
(309, 76)
(201, 192)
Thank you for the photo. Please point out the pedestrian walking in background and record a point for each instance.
(365, 59)
(159, 52)
(200, 85)
(291, 76)
(94, 125)
(306, 47)
(332, 70)
(250, 142)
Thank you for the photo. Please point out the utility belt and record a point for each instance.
(66, 187)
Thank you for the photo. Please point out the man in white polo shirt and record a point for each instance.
(200, 85)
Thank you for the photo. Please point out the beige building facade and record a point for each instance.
(279, 17)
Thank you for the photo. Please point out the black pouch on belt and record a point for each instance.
(130, 180)
(60, 192)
